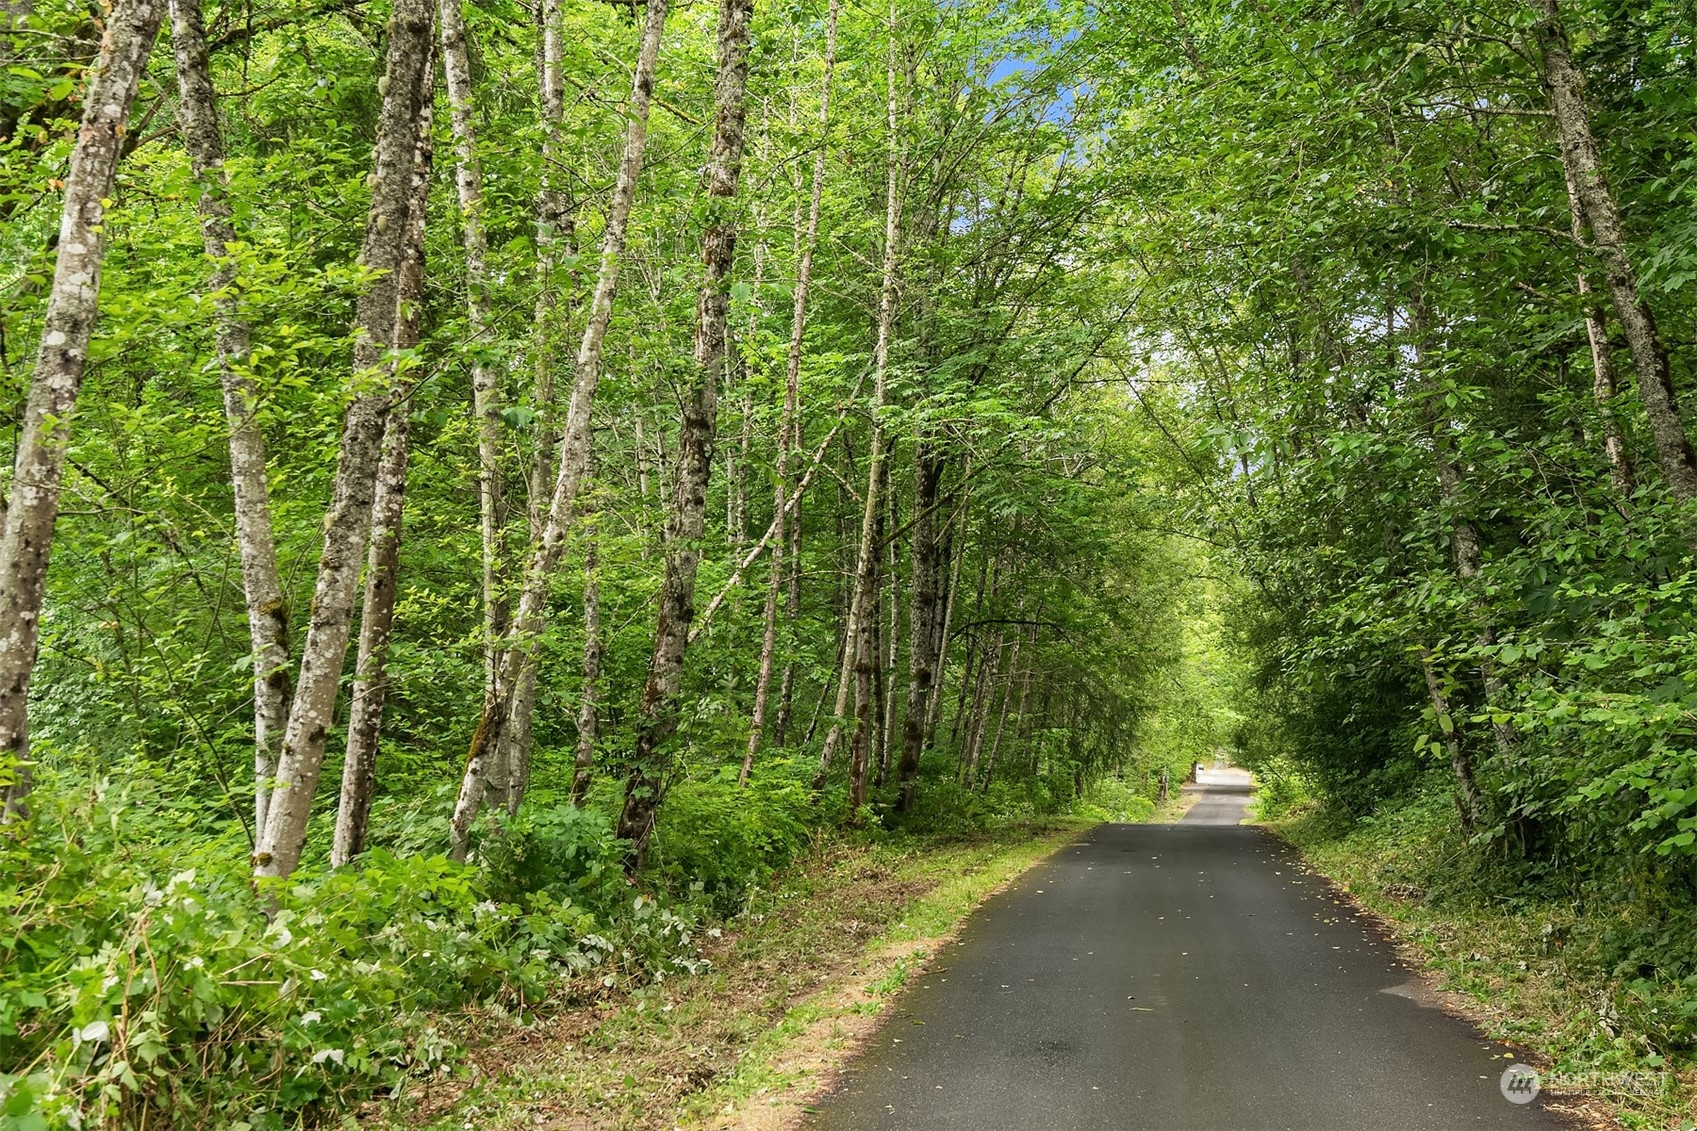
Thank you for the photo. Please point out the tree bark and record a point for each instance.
(1604, 383)
(945, 631)
(38, 469)
(890, 646)
(988, 669)
(792, 614)
(383, 558)
(485, 390)
(1565, 85)
(531, 617)
(858, 646)
(1468, 801)
(583, 763)
(922, 637)
(262, 590)
(789, 422)
(348, 524)
(556, 232)
(687, 520)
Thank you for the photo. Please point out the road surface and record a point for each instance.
(1172, 976)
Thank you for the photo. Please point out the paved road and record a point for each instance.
(1172, 976)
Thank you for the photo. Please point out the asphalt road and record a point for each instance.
(1172, 976)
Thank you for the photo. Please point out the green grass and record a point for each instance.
(1591, 975)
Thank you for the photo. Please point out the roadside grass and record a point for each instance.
(1590, 976)
(797, 979)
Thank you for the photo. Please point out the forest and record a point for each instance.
(493, 483)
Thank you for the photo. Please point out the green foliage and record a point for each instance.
(136, 989)
(722, 840)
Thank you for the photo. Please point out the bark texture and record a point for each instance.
(359, 453)
(924, 624)
(789, 421)
(1604, 382)
(267, 613)
(44, 437)
(687, 518)
(383, 564)
(859, 653)
(485, 393)
(531, 617)
(1582, 161)
(583, 761)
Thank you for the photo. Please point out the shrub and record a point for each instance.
(138, 991)
(722, 839)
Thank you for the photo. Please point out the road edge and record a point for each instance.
(778, 1081)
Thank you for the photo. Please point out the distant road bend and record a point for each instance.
(1173, 976)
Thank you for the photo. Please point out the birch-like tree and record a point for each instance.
(687, 517)
(38, 468)
(359, 453)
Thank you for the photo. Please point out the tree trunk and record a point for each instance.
(790, 420)
(531, 617)
(583, 763)
(922, 637)
(38, 470)
(1580, 158)
(792, 613)
(383, 561)
(858, 656)
(1468, 800)
(1007, 696)
(945, 632)
(556, 229)
(982, 700)
(485, 390)
(267, 613)
(687, 521)
(974, 656)
(359, 454)
(889, 644)
(1604, 384)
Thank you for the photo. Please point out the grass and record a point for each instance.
(797, 980)
(1586, 975)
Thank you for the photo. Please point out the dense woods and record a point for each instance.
(616, 442)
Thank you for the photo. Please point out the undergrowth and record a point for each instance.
(1594, 968)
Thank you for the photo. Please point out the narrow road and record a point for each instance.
(1172, 976)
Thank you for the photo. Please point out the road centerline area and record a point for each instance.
(1173, 976)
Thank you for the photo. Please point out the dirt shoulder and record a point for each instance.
(797, 982)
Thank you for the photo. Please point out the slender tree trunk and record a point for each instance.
(982, 701)
(1001, 719)
(531, 617)
(485, 389)
(1565, 85)
(556, 235)
(349, 521)
(922, 637)
(1468, 800)
(39, 467)
(974, 656)
(889, 643)
(792, 614)
(383, 563)
(267, 613)
(658, 710)
(789, 422)
(1604, 383)
(858, 656)
(945, 638)
(583, 763)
